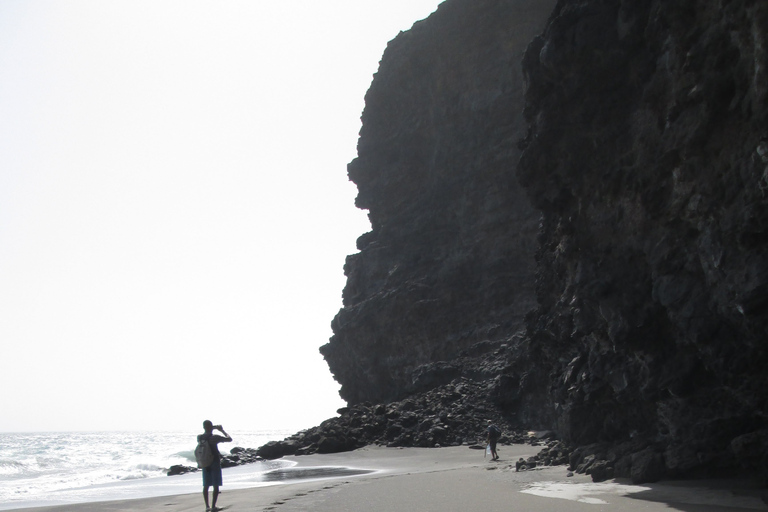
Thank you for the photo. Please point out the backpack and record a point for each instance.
(204, 454)
(494, 432)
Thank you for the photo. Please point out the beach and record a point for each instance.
(443, 479)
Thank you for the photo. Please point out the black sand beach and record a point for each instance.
(446, 479)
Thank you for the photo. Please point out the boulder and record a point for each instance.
(601, 471)
(277, 449)
(335, 444)
(179, 469)
(647, 466)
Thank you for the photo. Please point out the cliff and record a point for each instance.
(647, 155)
(449, 261)
(610, 282)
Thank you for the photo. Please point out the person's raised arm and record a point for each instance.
(227, 438)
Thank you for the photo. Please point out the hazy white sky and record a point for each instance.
(174, 206)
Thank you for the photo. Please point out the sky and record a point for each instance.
(174, 206)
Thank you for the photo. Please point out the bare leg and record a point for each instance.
(215, 495)
(205, 497)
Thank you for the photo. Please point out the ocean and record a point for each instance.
(53, 468)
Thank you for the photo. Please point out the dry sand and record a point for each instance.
(446, 480)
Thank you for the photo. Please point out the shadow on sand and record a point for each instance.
(706, 496)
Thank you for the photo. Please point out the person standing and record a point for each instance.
(493, 435)
(212, 474)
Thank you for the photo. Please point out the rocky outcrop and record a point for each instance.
(648, 156)
(449, 261)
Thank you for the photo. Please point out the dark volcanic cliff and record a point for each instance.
(647, 155)
(450, 258)
(644, 172)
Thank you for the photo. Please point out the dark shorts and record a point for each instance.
(493, 442)
(212, 475)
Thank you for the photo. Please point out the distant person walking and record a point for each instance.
(212, 473)
(493, 434)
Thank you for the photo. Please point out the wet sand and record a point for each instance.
(377, 479)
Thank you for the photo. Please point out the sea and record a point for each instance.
(55, 468)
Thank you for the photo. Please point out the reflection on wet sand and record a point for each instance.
(281, 474)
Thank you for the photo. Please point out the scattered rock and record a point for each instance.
(438, 417)
(179, 469)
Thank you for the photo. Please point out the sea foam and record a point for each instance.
(39, 469)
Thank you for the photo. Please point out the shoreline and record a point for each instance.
(443, 479)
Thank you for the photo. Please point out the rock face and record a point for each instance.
(648, 156)
(450, 258)
(645, 173)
